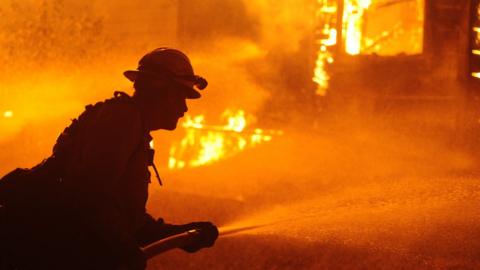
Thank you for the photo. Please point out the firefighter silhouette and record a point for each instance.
(84, 207)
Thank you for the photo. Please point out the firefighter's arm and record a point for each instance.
(154, 230)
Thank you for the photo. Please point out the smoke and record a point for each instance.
(231, 85)
(259, 55)
(318, 181)
(283, 24)
(56, 57)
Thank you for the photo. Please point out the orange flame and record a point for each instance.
(353, 13)
(204, 144)
(8, 114)
(326, 16)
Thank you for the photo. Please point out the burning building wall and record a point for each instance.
(400, 59)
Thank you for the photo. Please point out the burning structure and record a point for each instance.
(391, 58)
(415, 63)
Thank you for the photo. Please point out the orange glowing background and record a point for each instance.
(261, 149)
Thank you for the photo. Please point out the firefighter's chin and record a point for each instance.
(168, 125)
(172, 127)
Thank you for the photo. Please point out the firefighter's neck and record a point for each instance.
(154, 114)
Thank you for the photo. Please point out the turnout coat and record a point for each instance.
(84, 207)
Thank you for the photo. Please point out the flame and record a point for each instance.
(476, 41)
(236, 121)
(476, 74)
(8, 114)
(151, 144)
(326, 18)
(476, 51)
(404, 36)
(204, 144)
(353, 14)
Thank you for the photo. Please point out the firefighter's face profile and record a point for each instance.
(167, 105)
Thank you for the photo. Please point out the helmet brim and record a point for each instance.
(190, 92)
(132, 75)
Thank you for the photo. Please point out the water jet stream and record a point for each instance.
(233, 230)
(183, 239)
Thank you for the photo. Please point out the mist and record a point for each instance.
(341, 187)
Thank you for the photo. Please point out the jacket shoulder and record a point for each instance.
(118, 115)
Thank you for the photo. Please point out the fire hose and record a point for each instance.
(185, 238)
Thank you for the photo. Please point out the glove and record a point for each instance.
(204, 236)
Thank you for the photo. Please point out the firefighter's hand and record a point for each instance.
(204, 236)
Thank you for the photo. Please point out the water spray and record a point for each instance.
(184, 239)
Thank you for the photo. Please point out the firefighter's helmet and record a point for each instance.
(172, 64)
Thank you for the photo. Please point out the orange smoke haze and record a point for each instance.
(322, 190)
(67, 54)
